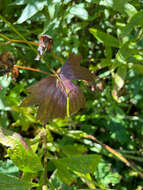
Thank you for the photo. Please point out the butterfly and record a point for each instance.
(50, 94)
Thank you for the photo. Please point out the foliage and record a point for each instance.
(108, 34)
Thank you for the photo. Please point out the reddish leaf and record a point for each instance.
(50, 94)
(73, 71)
(51, 97)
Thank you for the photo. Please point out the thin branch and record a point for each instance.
(44, 138)
(122, 158)
(30, 69)
(30, 43)
(108, 148)
(17, 32)
(16, 41)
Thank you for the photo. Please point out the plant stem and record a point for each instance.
(122, 158)
(31, 69)
(17, 32)
(44, 136)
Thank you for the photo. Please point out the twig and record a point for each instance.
(17, 32)
(30, 43)
(31, 69)
(122, 158)
(17, 41)
(44, 137)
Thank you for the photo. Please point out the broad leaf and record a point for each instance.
(25, 160)
(31, 9)
(125, 52)
(20, 153)
(105, 175)
(7, 167)
(10, 139)
(13, 183)
(73, 71)
(136, 20)
(50, 94)
(107, 39)
(51, 97)
(79, 11)
(120, 75)
(119, 80)
(83, 164)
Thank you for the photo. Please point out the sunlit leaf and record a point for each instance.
(105, 175)
(10, 139)
(136, 20)
(120, 75)
(79, 11)
(76, 164)
(13, 183)
(25, 159)
(7, 167)
(20, 153)
(107, 39)
(31, 9)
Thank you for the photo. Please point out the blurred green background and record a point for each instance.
(109, 36)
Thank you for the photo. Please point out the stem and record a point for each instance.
(122, 158)
(108, 148)
(31, 69)
(44, 136)
(68, 106)
(17, 41)
(30, 43)
(67, 93)
(17, 32)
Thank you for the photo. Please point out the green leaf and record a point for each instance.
(130, 10)
(121, 6)
(19, 2)
(136, 20)
(105, 176)
(75, 164)
(78, 163)
(10, 139)
(107, 39)
(138, 68)
(107, 3)
(8, 168)
(52, 9)
(25, 159)
(31, 9)
(65, 175)
(13, 183)
(120, 75)
(20, 153)
(79, 11)
(73, 149)
(125, 52)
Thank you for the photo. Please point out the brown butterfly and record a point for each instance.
(44, 45)
(50, 94)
